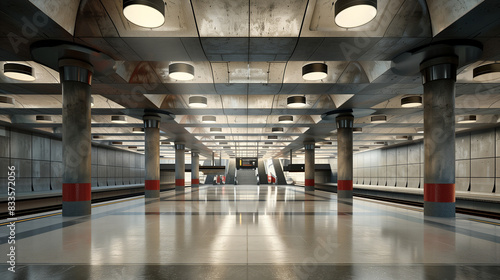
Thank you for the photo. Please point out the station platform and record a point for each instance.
(251, 232)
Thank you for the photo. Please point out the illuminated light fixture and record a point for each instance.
(215, 129)
(223, 143)
(268, 143)
(420, 130)
(357, 129)
(145, 13)
(314, 71)
(43, 119)
(91, 101)
(271, 137)
(118, 119)
(197, 101)
(277, 130)
(137, 130)
(296, 101)
(181, 71)
(20, 72)
(285, 119)
(7, 101)
(411, 101)
(378, 119)
(116, 143)
(487, 72)
(208, 119)
(467, 119)
(132, 147)
(164, 143)
(354, 13)
(219, 137)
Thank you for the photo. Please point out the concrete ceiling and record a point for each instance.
(248, 57)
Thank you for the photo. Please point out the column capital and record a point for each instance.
(345, 121)
(75, 70)
(309, 146)
(151, 121)
(179, 146)
(439, 68)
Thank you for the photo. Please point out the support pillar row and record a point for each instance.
(309, 166)
(438, 78)
(76, 77)
(195, 169)
(152, 156)
(180, 166)
(344, 155)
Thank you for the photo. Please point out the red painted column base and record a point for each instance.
(77, 192)
(309, 182)
(152, 185)
(179, 182)
(439, 192)
(344, 185)
(195, 181)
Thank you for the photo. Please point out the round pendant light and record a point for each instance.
(285, 119)
(357, 129)
(197, 101)
(411, 101)
(354, 13)
(378, 119)
(181, 71)
(314, 71)
(7, 101)
(20, 72)
(277, 130)
(145, 13)
(208, 119)
(43, 119)
(296, 101)
(215, 129)
(487, 72)
(138, 130)
(467, 119)
(118, 119)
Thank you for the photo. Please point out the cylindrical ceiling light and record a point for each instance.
(285, 119)
(197, 101)
(357, 129)
(7, 101)
(219, 137)
(43, 119)
(380, 143)
(20, 72)
(467, 119)
(354, 13)
(116, 143)
(277, 130)
(272, 137)
(118, 119)
(378, 119)
(132, 147)
(296, 101)
(268, 143)
(208, 119)
(215, 129)
(223, 143)
(411, 101)
(145, 13)
(487, 72)
(137, 130)
(181, 71)
(314, 71)
(164, 143)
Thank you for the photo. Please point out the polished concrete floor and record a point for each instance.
(251, 232)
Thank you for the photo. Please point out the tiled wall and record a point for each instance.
(38, 162)
(477, 163)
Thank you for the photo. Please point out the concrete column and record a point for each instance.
(180, 167)
(76, 77)
(309, 167)
(195, 169)
(438, 78)
(344, 155)
(152, 156)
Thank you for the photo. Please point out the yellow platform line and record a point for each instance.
(485, 222)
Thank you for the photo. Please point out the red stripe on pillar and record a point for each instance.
(439, 192)
(77, 192)
(344, 185)
(309, 182)
(152, 185)
(179, 182)
(195, 181)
